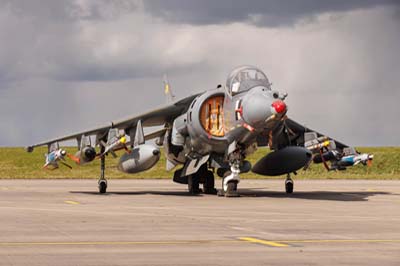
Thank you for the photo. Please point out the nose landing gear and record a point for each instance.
(230, 182)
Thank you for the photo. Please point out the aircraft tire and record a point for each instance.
(232, 190)
(289, 186)
(194, 184)
(209, 183)
(232, 187)
(102, 186)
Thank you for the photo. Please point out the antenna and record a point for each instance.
(167, 90)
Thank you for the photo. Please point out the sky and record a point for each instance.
(67, 66)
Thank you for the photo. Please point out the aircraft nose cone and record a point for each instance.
(256, 109)
(279, 106)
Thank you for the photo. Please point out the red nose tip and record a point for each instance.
(279, 106)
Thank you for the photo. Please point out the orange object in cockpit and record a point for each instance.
(212, 116)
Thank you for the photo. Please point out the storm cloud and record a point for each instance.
(270, 13)
(70, 65)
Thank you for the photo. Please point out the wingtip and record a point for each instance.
(29, 148)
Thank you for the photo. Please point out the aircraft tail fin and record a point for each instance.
(170, 97)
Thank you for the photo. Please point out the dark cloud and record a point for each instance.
(61, 11)
(82, 41)
(103, 9)
(72, 65)
(55, 11)
(269, 13)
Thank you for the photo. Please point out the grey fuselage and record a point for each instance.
(217, 118)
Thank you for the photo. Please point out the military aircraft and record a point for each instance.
(213, 132)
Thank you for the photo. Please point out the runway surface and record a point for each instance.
(155, 222)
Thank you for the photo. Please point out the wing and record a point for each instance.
(156, 117)
(291, 133)
(298, 134)
(323, 148)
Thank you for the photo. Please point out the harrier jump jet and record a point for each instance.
(213, 132)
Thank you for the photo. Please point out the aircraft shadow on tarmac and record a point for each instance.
(315, 195)
(257, 193)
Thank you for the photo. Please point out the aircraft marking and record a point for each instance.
(274, 243)
(100, 243)
(72, 202)
(342, 241)
(263, 242)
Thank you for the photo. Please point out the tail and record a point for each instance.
(167, 90)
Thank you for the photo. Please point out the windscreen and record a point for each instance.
(244, 78)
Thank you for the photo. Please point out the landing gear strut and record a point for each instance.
(102, 181)
(204, 176)
(289, 184)
(230, 181)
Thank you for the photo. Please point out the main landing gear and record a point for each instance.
(204, 176)
(102, 180)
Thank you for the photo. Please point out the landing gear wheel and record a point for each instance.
(232, 190)
(209, 183)
(102, 186)
(194, 184)
(102, 180)
(221, 192)
(289, 185)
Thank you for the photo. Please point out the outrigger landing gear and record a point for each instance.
(102, 181)
(289, 184)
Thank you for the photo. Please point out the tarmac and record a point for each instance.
(156, 222)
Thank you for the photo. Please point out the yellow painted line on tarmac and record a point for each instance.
(72, 202)
(263, 242)
(342, 241)
(275, 243)
(100, 243)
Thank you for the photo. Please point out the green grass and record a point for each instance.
(17, 163)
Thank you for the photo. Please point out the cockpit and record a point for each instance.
(244, 78)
